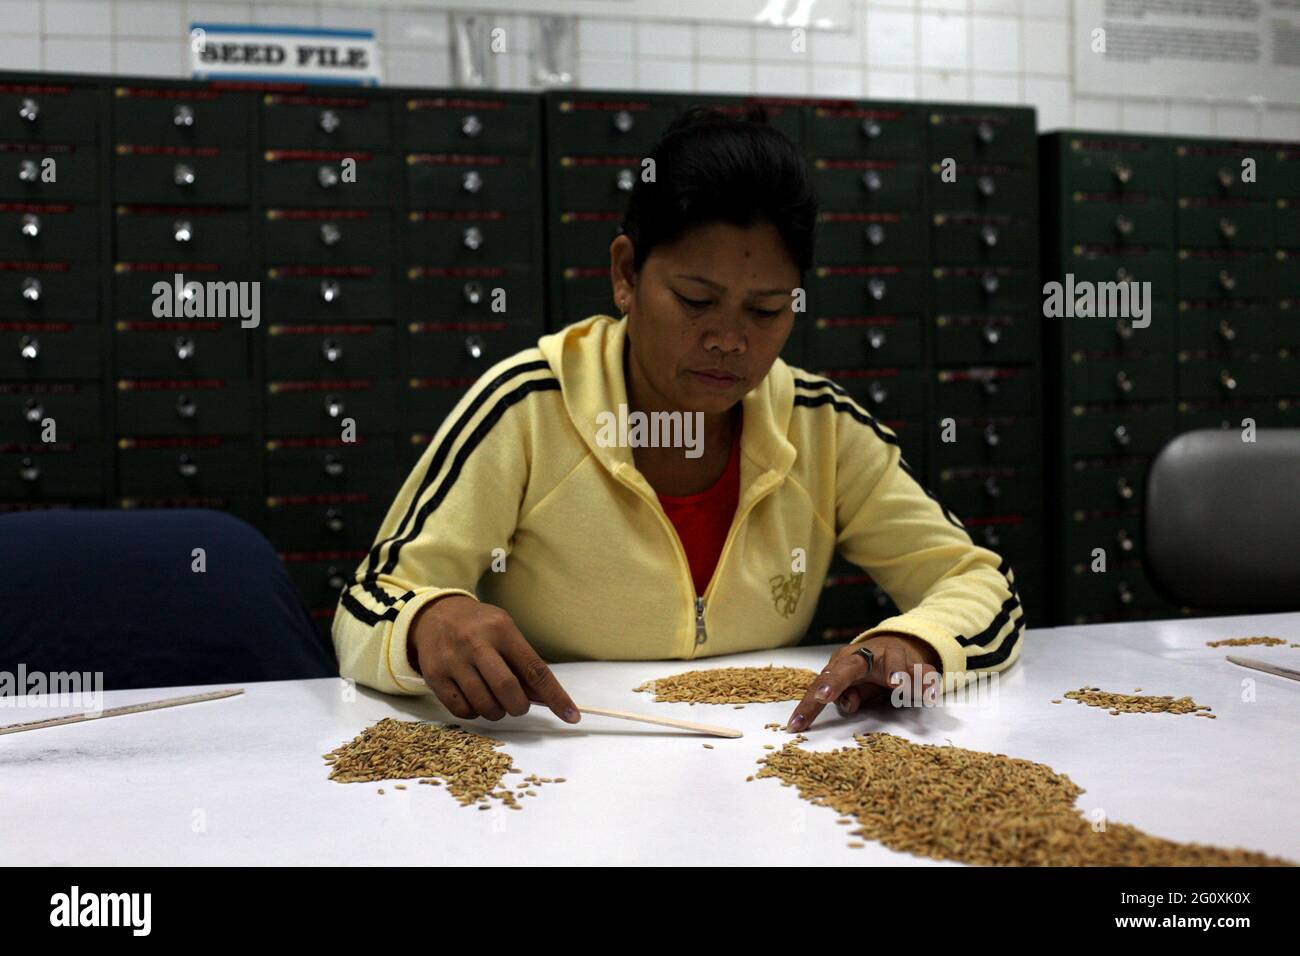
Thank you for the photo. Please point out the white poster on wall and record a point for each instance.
(1238, 50)
(248, 52)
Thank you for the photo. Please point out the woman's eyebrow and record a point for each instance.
(714, 285)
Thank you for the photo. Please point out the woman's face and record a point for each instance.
(708, 314)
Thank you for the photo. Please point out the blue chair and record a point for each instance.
(115, 592)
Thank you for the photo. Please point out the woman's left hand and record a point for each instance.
(847, 680)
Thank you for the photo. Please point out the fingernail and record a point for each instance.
(824, 692)
(571, 714)
(896, 677)
(798, 722)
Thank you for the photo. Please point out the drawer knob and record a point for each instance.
(331, 349)
(876, 288)
(472, 237)
(473, 292)
(28, 470)
(989, 387)
(1124, 328)
(327, 177)
(33, 411)
(472, 181)
(1124, 488)
(1226, 331)
(992, 488)
(872, 181)
(335, 578)
(1124, 593)
(1228, 228)
(334, 520)
(29, 347)
(1226, 178)
(1123, 382)
(1122, 436)
(330, 234)
(329, 121)
(876, 338)
(987, 186)
(333, 406)
(991, 436)
(475, 346)
(1124, 225)
(625, 180)
(1228, 381)
(184, 347)
(330, 290)
(183, 175)
(1122, 274)
(186, 466)
(877, 393)
(991, 537)
(871, 129)
(1227, 280)
(186, 407)
(29, 109)
(471, 125)
(333, 467)
(32, 289)
(985, 133)
(1125, 540)
(623, 121)
(875, 233)
(1123, 173)
(989, 283)
(31, 225)
(182, 230)
(28, 171)
(992, 334)
(989, 236)
(183, 116)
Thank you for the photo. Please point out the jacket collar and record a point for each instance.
(587, 358)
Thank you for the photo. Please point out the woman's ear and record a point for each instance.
(622, 272)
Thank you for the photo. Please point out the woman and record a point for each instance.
(534, 529)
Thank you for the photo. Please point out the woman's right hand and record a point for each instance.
(477, 662)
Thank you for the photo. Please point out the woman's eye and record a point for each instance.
(693, 303)
(767, 313)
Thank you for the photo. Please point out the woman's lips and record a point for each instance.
(718, 380)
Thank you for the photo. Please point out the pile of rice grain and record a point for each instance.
(732, 685)
(1136, 703)
(948, 803)
(467, 763)
(1246, 642)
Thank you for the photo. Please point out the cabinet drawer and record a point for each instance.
(476, 238)
(844, 184)
(973, 238)
(442, 181)
(1116, 334)
(463, 349)
(181, 116)
(43, 350)
(361, 350)
(26, 407)
(153, 174)
(1136, 428)
(204, 290)
(879, 130)
(49, 291)
(1132, 378)
(314, 121)
(595, 183)
(329, 236)
(627, 126)
(245, 507)
(865, 340)
(1286, 222)
(428, 401)
(884, 392)
(990, 490)
(328, 293)
(1115, 263)
(183, 467)
(48, 171)
(1122, 221)
(205, 406)
(1118, 534)
(1214, 169)
(297, 466)
(1122, 592)
(1247, 328)
(319, 576)
(464, 124)
(983, 134)
(456, 294)
(319, 407)
(317, 177)
(993, 440)
(48, 231)
(1105, 484)
(584, 292)
(885, 237)
(984, 390)
(182, 348)
(1006, 337)
(1287, 272)
(38, 471)
(344, 522)
(49, 113)
(180, 233)
(1225, 224)
(1216, 275)
(1265, 412)
(985, 288)
(1223, 378)
(1010, 536)
(1118, 164)
(985, 188)
(894, 290)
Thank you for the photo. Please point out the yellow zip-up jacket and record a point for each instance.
(517, 503)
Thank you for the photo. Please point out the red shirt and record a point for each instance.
(702, 520)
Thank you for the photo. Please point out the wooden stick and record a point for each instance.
(710, 729)
(119, 711)
(1268, 668)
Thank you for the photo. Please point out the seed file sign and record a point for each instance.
(245, 52)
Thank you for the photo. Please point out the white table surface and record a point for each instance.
(241, 781)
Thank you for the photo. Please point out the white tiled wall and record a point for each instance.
(1003, 51)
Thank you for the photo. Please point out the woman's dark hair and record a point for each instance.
(708, 167)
